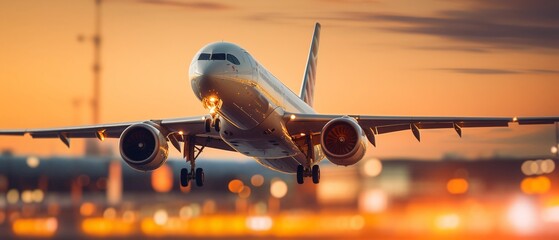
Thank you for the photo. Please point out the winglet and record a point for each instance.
(309, 79)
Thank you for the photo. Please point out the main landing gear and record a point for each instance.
(303, 172)
(307, 170)
(191, 153)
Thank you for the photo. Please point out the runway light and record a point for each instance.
(535, 185)
(357, 222)
(373, 201)
(372, 167)
(27, 196)
(87, 209)
(100, 227)
(32, 161)
(551, 214)
(260, 223)
(526, 168)
(37, 227)
(37, 195)
(547, 166)
(522, 216)
(448, 221)
(160, 217)
(278, 188)
(12, 196)
(186, 212)
(109, 213)
(457, 186)
(129, 216)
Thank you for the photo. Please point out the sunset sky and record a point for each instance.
(377, 57)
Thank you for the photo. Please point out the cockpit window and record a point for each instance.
(218, 56)
(204, 56)
(233, 59)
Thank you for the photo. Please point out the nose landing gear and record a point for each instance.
(213, 104)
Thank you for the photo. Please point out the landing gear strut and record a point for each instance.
(191, 153)
(307, 170)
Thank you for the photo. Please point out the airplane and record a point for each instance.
(253, 113)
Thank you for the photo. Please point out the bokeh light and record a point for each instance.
(373, 201)
(160, 217)
(535, 185)
(245, 192)
(87, 209)
(449, 221)
(457, 186)
(235, 186)
(372, 167)
(32, 161)
(162, 179)
(522, 216)
(278, 188)
(257, 180)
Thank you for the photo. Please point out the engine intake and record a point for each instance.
(143, 147)
(343, 141)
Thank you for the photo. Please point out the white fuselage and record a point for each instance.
(253, 103)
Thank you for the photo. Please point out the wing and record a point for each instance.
(374, 125)
(193, 126)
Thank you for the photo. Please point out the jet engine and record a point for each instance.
(143, 146)
(343, 141)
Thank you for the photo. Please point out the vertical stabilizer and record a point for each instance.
(309, 79)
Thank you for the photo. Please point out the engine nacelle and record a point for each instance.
(143, 147)
(343, 141)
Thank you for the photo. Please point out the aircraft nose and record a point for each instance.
(207, 69)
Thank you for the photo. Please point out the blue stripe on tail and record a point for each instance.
(309, 79)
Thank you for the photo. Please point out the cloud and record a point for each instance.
(479, 71)
(454, 48)
(495, 71)
(201, 5)
(497, 23)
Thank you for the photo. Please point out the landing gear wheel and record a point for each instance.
(185, 178)
(200, 177)
(217, 124)
(315, 174)
(300, 174)
(208, 125)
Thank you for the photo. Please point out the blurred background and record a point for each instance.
(67, 62)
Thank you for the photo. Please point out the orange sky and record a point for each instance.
(388, 57)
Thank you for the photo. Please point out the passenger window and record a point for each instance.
(204, 56)
(218, 56)
(233, 59)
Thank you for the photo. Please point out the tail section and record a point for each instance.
(309, 79)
